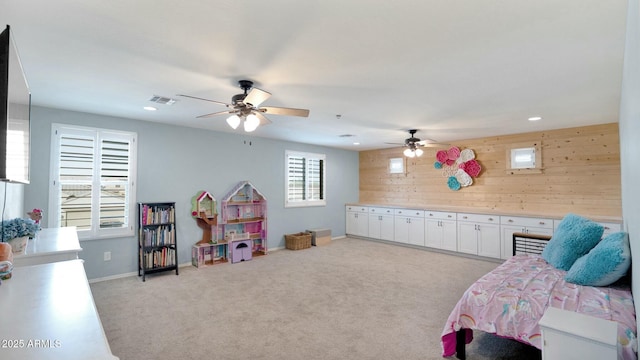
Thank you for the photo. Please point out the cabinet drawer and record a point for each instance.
(481, 218)
(440, 215)
(382, 211)
(527, 222)
(408, 212)
(357, 208)
(609, 228)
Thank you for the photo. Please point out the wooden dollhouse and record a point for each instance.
(244, 221)
(211, 249)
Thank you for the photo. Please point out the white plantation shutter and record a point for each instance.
(76, 161)
(305, 176)
(114, 177)
(315, 179)
(295, 187)
(92, 172)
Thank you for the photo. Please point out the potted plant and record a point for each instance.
(17, 231)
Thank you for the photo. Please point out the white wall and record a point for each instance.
(629, 145)
(12, 200)
(174, 163)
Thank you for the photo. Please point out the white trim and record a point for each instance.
(97, 135)
(305, 203)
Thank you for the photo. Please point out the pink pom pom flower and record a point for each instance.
(473, 168)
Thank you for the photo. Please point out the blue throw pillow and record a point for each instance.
(604, 264)
(573, 238)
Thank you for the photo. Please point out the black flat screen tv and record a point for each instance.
(15, 114)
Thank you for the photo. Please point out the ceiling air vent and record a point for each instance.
(162, 100)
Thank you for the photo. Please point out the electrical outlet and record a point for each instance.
(107, 255)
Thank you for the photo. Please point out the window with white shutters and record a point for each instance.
(305, 179)
(92, 181)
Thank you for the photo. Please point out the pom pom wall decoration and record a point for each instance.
(459, 167)
(453, 183)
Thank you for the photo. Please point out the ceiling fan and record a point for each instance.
(414, 144)
(246, 107)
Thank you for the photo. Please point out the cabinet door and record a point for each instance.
(433, 234)
(352, 222)
(489, 240)
(449, 235)
(401, 229)
(362, 224)
(386, 227)
(374, 226)
(507, 239)
(467, 238)
(416, 231)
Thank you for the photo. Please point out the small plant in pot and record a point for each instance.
(17, 232)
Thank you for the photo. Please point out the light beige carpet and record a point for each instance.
(352, 299)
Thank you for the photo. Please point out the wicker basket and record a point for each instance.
(298, 241)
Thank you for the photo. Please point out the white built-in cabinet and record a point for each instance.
(409, 226)
(609, 228)
(357, 220)
(526, 225)
(479, 234)
(381, 223)
(471, 233)
(440, 230)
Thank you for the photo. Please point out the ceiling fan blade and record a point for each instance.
(395, 143)
(216, 113)
(256, 97)
(263, 119)
(213, 101)
(285, 111)
(427, 143)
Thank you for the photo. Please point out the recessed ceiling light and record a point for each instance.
(356, 143)
(535, 118)
(150, 108)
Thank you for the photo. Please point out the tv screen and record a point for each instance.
(15, 112)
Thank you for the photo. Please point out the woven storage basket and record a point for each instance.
(298, 241)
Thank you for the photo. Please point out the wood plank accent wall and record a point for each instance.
(580, 174)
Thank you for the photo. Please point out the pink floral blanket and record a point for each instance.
(510, 300)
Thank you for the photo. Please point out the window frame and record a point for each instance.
(98, 135)
(323, 169)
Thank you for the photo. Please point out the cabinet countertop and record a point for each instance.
(465, 209)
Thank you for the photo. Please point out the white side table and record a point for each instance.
(570, 335)
(50, 245)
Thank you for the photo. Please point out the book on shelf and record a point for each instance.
(157, 214)
(160, 236)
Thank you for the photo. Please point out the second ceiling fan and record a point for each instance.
(246, 108)
(414, 144)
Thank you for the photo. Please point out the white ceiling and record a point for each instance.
(453, 69)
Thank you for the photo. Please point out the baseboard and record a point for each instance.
(135, 273)
(124, 275)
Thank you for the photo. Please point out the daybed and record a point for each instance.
(510, 300)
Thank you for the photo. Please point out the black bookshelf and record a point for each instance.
(157, 243)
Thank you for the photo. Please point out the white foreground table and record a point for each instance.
(48, 313)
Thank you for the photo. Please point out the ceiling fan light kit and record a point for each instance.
(413, 152)
(246, 108)
(233, 121)
(251, 123)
